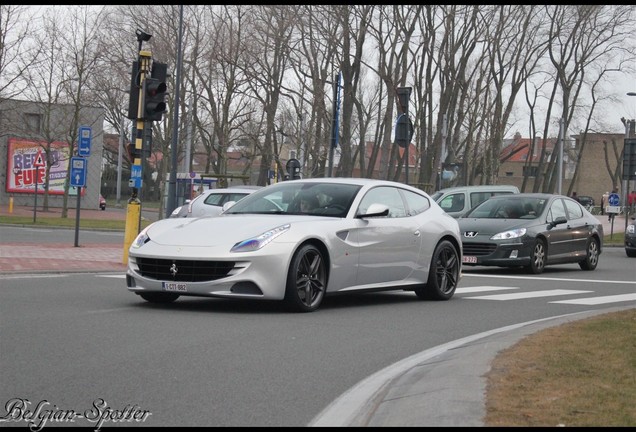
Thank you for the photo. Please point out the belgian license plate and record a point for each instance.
(469, 259)
(175, 286)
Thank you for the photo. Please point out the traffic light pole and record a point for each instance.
(133, 209)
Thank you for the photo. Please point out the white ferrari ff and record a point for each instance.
(300, 240)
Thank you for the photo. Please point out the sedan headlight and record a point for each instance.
(256, 243)
(515, 233)
(141, 239)
(631, 229)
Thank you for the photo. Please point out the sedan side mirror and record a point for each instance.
(227, 205)
(558, 221)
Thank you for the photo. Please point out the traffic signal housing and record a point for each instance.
(133, 101)
(154, 105)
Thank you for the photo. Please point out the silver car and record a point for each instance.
(300, 240)
(210, 202)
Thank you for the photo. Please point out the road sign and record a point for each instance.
(39, 160)
(135, 176)
(84, 143)
(614, 199)
(612, 209)
(78, 172)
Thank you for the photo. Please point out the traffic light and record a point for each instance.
(155, 92)
(133, 101)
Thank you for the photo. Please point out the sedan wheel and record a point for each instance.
(537, 258)
(591, 257)
(159, 297)
(306, 280)
(443, 275)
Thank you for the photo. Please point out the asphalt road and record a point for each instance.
(74, 339)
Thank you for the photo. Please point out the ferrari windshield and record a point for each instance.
(326, 199)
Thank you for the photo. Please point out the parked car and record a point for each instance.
(210, 201)
(458, 200)
(361, 235)
(630, 238)
(586, 201)
(531, 230)
(102, 202)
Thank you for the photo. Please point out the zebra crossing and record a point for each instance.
(579, 296)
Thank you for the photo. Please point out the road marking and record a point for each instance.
(530, 294)
(32, 276)
(116, 276)
(483, 288)
(550, 279)
(599, 300)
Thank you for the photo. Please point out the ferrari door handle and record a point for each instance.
(416, 233)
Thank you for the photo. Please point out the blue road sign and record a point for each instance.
(84, 143)
(78, 172)
(135, 171)
(135, 176)
(614, 199)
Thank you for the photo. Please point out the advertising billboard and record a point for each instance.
(26, 163)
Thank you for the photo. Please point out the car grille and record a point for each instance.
(478, 249)
(183, 270)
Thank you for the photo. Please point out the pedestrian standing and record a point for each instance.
(604, 200)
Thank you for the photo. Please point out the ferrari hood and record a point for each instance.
(217, 230)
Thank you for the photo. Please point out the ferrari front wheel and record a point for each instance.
(306, 280)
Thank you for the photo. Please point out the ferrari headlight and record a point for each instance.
(141, 239)
(256, 243)
(631, 229)
(515, 233)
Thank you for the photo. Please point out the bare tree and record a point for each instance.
(18, 52)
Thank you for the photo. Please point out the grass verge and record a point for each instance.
(577, 374)
(69, 222)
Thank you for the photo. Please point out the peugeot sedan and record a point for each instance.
(531, 230)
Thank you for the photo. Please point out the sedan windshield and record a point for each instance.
(326, 199)
(509, 208)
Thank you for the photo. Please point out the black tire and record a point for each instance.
(306, 280)
(630, 253)
(155, 297)
(591, 257)
(443, 275)
(537, 257)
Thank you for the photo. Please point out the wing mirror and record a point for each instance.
(558, 221)
(374, 210)
(227, 205)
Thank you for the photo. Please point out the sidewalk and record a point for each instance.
(61, 258)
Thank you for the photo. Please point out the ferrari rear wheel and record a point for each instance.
(443, 275)
(537, 257)
(159, 297)
(306, 280)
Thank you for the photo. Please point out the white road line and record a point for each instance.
(531, 294)
(599, 300)
(482, 289)
(549, 278)
(116, 276)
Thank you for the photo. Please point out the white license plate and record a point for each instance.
(469, 259)
(175, 286)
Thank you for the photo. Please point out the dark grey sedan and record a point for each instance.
(531, 230)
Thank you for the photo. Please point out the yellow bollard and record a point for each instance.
(10, 205)
(133, 213)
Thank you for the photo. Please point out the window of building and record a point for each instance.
(33, 122)
(530, 171)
